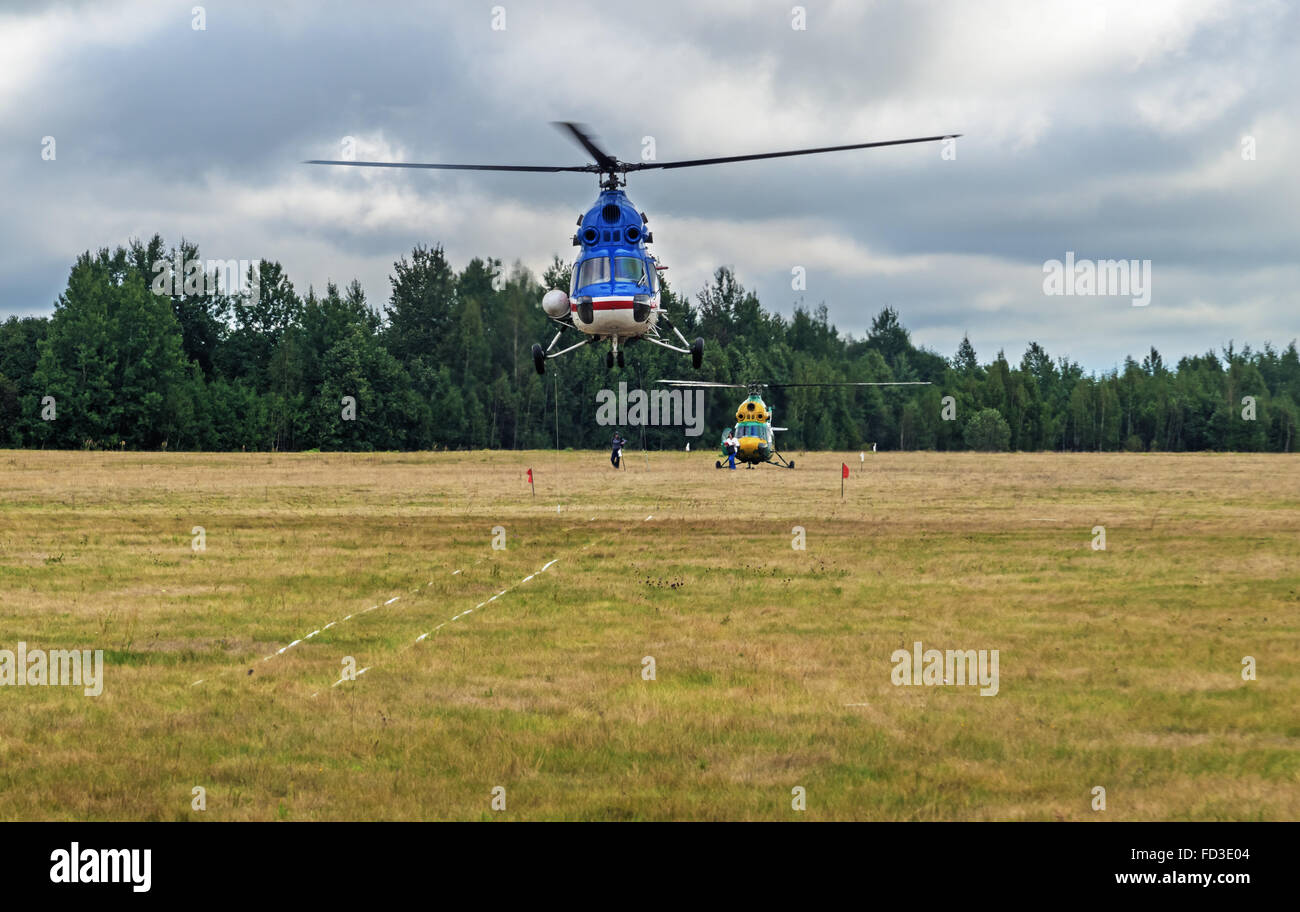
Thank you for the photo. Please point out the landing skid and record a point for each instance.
(777, 460)
(696, 350)
(541, 356)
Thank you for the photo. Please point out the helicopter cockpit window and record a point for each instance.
(593, 270)
(630, 269)
(654, 279)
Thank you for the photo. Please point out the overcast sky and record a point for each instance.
(1113, 130)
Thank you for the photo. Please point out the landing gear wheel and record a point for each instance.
(697, 353)
(609, 359)
(539, 358)
(792, 463)
(620, 357)
(718, 464)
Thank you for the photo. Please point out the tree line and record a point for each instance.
(133, 356)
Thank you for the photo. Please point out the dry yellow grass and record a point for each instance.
(1118, 668)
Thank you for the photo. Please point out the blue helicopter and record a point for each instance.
(614, 294)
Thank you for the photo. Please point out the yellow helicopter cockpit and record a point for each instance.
(753, 431)
(754, 439)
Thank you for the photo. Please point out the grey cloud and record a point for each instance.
(166, 127)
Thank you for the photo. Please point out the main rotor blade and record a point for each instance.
(363, 164)
(606, 161)
(707, 383)
(691, 163)
(847, 383)
(711, 384)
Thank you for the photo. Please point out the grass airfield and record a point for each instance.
(1119, 668)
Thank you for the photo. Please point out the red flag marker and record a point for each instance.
(530, 482)
(844, 473)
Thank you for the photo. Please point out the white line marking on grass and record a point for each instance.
(341, 680)
(283, 649)
(422, 637)
(457, 617)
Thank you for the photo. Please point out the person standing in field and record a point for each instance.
(731, 445)
(616, 454)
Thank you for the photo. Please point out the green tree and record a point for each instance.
(422, 307)
(112, 359)
(988, 431)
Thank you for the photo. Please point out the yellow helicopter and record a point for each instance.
(755, 435)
